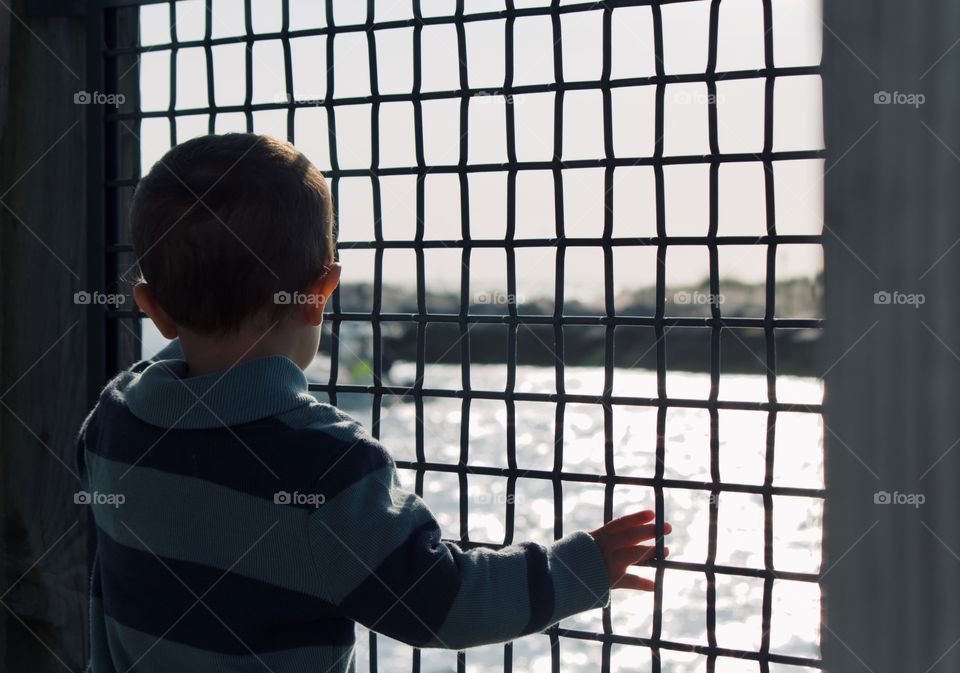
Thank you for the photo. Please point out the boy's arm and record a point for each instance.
(381, 559)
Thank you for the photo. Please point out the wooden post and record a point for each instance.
(893, 336)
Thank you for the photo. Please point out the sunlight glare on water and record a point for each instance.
(742, 438)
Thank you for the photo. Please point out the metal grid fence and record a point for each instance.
(115, 52)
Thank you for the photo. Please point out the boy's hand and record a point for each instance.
(619, 542)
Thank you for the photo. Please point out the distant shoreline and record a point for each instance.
(741, 350)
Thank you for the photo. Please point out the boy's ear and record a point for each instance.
(143, 295)
(319, 292)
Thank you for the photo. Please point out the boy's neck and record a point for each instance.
(207, 354)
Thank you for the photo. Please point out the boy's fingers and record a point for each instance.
(635, 582)
(630, 520)
(639, 554)
(631, 536)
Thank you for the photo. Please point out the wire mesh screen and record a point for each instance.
(481, 153)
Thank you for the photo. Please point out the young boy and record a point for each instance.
(256, 524)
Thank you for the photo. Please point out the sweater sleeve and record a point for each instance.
(381, 559)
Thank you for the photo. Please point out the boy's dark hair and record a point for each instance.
(224, 222)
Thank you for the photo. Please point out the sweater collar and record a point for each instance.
(163, 395)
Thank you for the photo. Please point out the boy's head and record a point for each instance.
(234, 233)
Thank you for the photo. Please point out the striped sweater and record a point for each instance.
(241, 525)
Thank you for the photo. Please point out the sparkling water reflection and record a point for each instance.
(742, 437)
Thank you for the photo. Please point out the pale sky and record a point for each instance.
(798, 125)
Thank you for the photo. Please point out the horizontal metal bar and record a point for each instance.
(459, 94)
(615, 479)
(557, 165)
(574, 242)
(567, 398)
(685, 647)
(738, 571)
(720, 569)
(567, 319)
(601, 162)
(431, 20)
(579, 242)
